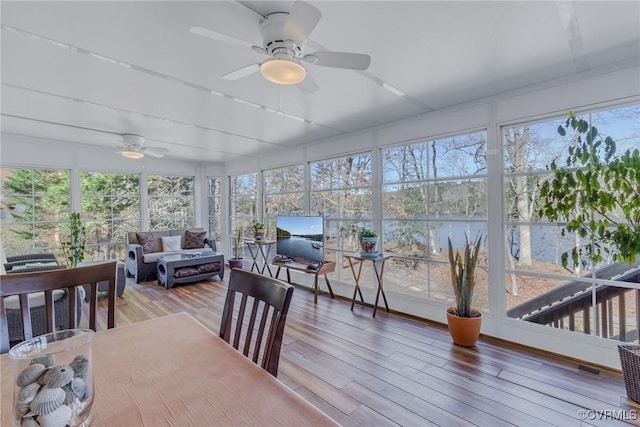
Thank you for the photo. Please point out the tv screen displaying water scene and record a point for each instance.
(300, 237)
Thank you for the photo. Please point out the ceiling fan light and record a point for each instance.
(132, 154)
(282, 71)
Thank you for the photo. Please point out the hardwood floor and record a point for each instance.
(394, 370)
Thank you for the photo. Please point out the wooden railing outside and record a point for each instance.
(570, 306)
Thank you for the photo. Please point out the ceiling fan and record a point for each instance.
(283, 38)
(133, 147)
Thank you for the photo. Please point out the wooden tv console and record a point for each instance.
(303, 266)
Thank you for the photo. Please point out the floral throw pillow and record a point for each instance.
(147, 241)
(194, 239)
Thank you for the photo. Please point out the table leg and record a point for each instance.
(315, 288)
(326, 279)
(379, 275)
(253, 257)
(356, 278)
(264, 259)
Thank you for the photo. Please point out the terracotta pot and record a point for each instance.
(464, 330)
(235, 263)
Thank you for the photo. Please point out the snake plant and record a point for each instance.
(463, 274)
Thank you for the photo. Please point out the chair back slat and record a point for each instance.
(26, 318)
(23, 284)
(270, 299)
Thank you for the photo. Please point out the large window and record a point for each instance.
(171, 202)
(432, 191)
(341, 192)
(110, 208)
(283, 195)
(243, 203)
(214, 209)
(46, 196)
(539, 289)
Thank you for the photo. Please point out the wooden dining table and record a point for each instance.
(174, 371)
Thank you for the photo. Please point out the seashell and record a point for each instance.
(27, 393)
(58, 418)
(58, 376)
(28, 422)
(47, 400)
(30, 374)
(79, 387)
(70, 396)
(46, 360)
(41, 377)
(80, 365)
(20, 409)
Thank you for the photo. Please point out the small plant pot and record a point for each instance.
(464, 330)
(235, 263)
(258, 235)
(368, 245)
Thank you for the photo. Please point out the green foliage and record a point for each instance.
(365, 232)
(463, 274)
(257, 226)
(597, 193)
(74, 248)
(237, 242)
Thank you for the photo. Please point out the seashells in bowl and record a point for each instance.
(47, 400)
(58, 418)
(58, 376)
(30, 374)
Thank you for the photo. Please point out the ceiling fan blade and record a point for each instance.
(352, 61)
(205, 32)
(307, 86)
(303, 18)
(242, 72)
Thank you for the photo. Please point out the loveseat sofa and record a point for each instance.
(145, 247)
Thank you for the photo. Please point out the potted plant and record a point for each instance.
(73, 248)
(258, 231)
(236, 261)
(463, 321)
(368, 241)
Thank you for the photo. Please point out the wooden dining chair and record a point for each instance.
(23, 284)
(265, 301)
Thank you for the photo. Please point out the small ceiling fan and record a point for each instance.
(283, 38)
(133, 147)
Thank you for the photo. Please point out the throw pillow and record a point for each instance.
(170, 243)
(185, 272)
(194, 239)
(147, 241)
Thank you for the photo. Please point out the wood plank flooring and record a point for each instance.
(394, 370)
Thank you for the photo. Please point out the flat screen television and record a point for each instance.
(300, 237)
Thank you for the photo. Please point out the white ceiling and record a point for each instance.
(86, 71)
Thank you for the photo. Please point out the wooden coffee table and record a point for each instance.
(188, 268)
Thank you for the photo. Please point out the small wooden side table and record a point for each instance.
(259, 257)
(377, 261)
(303, 266)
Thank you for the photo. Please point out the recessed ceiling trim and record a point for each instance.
(147, 71)
(121, 110)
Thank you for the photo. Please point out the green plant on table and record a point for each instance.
(366, 232)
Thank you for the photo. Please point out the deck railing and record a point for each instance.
(571, 306)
